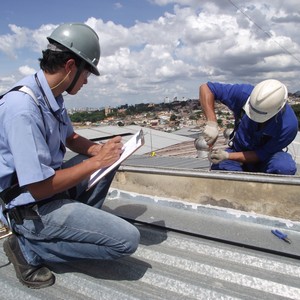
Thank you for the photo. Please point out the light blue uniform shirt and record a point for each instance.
(27, 146)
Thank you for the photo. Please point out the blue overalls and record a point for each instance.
(268, 142)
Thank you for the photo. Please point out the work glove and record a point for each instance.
(210, 132)
(217, 155)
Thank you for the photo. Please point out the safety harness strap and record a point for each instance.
(16, 88)
(15, 190)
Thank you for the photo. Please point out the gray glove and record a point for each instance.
(211, 132)
(217, 155)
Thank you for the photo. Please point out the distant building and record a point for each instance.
(107, 110)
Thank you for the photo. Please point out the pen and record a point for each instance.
(281, 235)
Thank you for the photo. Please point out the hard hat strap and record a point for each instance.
(79, 70)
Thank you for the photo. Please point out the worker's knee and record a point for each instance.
(281, 163)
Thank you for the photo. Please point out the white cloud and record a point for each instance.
(10, 42)
(118, 5)
(233, 41)
(26, 70)
(6, 82)
(22, 38)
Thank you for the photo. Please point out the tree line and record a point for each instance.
(127, 110)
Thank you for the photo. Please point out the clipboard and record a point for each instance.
(129, 148)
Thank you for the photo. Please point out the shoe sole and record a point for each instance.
(11, 257)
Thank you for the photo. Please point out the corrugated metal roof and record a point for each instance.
(186, 251)
(171, 264)
(154, 139)
(166, 162)
(164, 142)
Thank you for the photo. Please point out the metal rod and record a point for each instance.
(237, 176)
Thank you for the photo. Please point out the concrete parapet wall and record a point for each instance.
(276, 198)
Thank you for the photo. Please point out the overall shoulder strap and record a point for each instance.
(236, 125)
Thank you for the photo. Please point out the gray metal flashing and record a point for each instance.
(216, 223)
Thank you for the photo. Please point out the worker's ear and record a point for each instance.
(70, 65)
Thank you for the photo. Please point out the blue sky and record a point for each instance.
(33, 13)
(153, 50)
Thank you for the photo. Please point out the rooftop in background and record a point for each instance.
(179, 143)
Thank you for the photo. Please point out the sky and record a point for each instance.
(159, 50)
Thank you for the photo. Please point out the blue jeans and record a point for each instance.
(68, 230)
(280, 163)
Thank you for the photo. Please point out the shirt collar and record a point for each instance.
(55, 103)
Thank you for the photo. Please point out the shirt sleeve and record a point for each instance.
(234, 96)
(27, 143)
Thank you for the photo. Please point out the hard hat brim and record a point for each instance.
(258, 117)
(254, 116)
(94, 70)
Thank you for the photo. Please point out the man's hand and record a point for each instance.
(211, 132)
(217, 155)
(110, 152)
(104, 156)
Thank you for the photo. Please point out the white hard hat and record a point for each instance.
(266, 100)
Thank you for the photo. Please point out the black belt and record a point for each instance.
(21, 213)
(26, 212)
(12, 192)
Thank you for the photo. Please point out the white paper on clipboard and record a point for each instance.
(128, 148)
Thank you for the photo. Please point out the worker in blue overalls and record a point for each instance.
(53, 217)
(265, 124)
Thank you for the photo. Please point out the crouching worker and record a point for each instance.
(265, 124)
(53, 217)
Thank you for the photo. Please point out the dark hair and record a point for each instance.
(52, 61)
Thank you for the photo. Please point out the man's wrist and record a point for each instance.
(94, 149)
(212, 123)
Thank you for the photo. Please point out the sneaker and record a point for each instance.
(35, 277)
